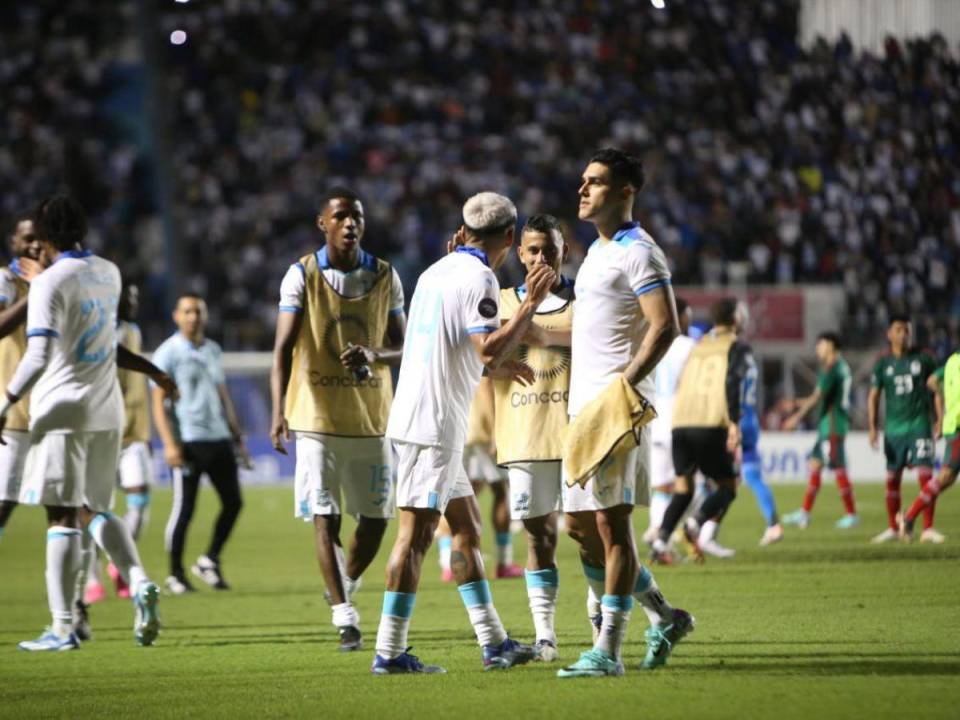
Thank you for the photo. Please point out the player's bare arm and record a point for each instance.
(127, 360)
(873, 410)
(806, 405)
(172, 451)
(233, 422)
(494, 348)
(288, 328)
(390, 353)
(660, 310)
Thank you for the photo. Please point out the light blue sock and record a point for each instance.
(753, 476)
(542, 588)
(647, 593)
(483, 615)
(616, 615)
(596, 581)
(394, 623)
(504, 548)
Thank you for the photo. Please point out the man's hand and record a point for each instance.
(515, 371)
(279, 434)
(168, 385)
(173, 455)
(733, 437)
(874, 439)
(356, 356)
(459, 238)
(791, 423)
(539, 282)
(29, 269)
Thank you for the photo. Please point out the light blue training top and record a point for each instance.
(197, 370)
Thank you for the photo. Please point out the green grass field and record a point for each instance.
(823, 625)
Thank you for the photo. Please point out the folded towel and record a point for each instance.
(608, 425)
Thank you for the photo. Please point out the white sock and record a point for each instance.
(708, 531)
(504, 548)
(616, 615)
(646, 592)
(113, 537)
(542, 588)
(596, 586)
(445, 544)
(138, 512)
(659, 501)
(63, 564)
(483, 615)
(345, 614)
(88, 561)
(394, 623)
(350, 586)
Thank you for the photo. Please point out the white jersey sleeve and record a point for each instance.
(480, 304)
(646, 268)
(396, 293)
(45, 309)
(292, 288)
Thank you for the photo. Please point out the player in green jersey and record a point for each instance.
(832, 399)
(901, 376)
(947, 380)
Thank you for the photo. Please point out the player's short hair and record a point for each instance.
(832, 338)
(189, 296)
(338, 192)
(13, 222)
(489, 213)
(61, 221)
(543, 223)
(898, 317)
(624, 168)
(723, 312)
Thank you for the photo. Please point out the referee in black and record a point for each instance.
(202, 438)
(706, 425)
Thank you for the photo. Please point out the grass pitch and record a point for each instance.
(823, 625)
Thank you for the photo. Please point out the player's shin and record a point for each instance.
(542, 588)
(753, 476)
(138, 512)
(394, 623)
(616, 616)
(478, 601)
(925, 475)
(63, 564)
(893, 496)
(647, 593)
(113, 537)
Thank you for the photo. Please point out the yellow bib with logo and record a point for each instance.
(480, 423)
(951, 394)
(530, 420)
(12, 348)
(701, 398)
(323, 396)
(134, 388)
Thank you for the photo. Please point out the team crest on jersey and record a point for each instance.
(353, 329)
(915, 367)
(547, 363)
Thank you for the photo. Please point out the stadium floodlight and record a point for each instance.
(658, 4)
(178, 37)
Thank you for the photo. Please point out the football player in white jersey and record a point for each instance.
(661, 460)
(624, 322)
(76, 419)
(453, 335)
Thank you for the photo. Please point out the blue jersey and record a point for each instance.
(749, 419)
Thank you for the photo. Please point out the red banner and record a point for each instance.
(775, 315)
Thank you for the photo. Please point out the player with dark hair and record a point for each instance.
(832, 397)
(623, 325)
(202, 436)
(901, 377)
(707, 412)
(339, 330)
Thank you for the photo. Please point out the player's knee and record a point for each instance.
(371, 527)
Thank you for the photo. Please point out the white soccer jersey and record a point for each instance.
(667, 377)
(607, 322)
(456, 297)
(74, 302)
(351, 284)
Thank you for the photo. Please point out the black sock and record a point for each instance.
(675, 510)
(715, 505)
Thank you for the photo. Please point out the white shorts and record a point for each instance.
(361, 468)
(480, 466)
(13, 455)
(623, 480)
(429, 476)
(535, 488)
(72, 469)
(135, 466)
(661, 465)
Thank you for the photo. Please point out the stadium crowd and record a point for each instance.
(766, 161)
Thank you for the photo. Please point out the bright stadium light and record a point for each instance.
(658, 4)
(182, 2)
(178, 37)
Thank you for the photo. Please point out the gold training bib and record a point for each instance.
(701, 399)
(12, 348)
(134, 388)
(323, 396)
(530, 420)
